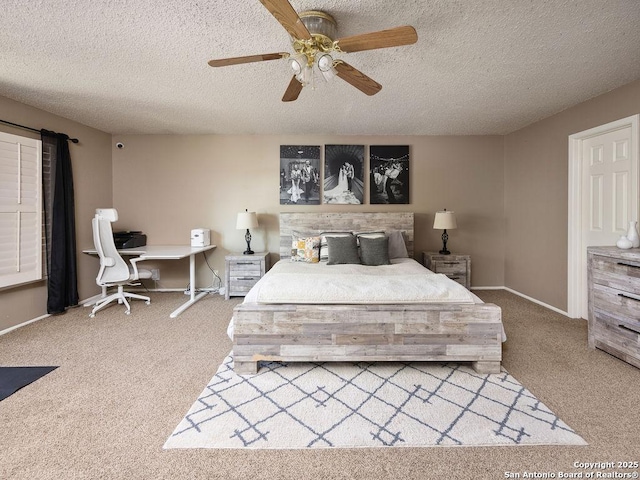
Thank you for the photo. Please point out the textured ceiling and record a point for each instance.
(479, 66)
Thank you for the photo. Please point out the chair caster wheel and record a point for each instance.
(148, 302)
(92, 315)
(128, 312)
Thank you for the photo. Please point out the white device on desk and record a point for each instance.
(200, 237)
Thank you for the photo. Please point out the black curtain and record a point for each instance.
(60, 224)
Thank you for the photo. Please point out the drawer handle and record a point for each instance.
(450, 263)
(245, 278)
(244, 263)
(454, 278)
(624, 327)
(629, 297)
(628, 265)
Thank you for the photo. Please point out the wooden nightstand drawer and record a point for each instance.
(461, 279)
(450, 268)
(456, 267)
(239, 287)
(245, 268)
(243, 272)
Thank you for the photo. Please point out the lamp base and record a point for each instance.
(444, 250)
(247, 238)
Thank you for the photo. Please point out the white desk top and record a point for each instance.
(159, 252)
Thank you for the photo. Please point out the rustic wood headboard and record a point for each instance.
(314, 223)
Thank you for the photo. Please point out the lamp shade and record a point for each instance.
(247, 220)
(445, 221)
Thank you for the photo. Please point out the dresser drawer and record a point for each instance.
(620, 338)
(614, 302)
(624, 306)
(616, 273)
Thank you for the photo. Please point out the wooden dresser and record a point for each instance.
(456, 267)
(614, 301)
(243, 271)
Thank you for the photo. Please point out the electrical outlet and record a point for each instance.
(155, 274)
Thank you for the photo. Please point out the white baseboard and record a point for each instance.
(92, 300)
(550, 307)
(531, 299)
(15, 327)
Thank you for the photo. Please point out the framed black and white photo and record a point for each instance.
(343, 174)
(389, 173)
(299, 174)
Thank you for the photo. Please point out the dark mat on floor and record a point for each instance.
(13, 379)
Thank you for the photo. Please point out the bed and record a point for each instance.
(313, 327)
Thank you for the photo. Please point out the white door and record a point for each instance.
(608, 193)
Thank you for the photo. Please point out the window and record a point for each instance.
(20, 210)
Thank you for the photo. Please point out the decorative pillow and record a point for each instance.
(374, 251)
(397, 245)
(342, 249)
(376, 234)
(305, 249)
(368, 235)
(324, 248)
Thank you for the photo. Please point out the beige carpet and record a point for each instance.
(124, 383)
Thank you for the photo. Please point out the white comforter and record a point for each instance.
(404, 281)
(310, 274)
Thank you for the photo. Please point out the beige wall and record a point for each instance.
(167, 185)
(510, 194)
(536, 193)
(91, 161)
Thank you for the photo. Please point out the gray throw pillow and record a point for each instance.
(374, 251)
(342, 250)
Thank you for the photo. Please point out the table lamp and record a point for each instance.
(247, 220)
(445, 221)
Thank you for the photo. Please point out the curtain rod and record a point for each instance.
(74, 140)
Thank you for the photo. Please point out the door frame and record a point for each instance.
(575, 288)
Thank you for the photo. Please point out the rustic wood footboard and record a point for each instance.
(420, 332)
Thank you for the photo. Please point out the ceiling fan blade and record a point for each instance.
(393, 37)
(248, 59)
(357, 79)
(288, 18)
(293, 90)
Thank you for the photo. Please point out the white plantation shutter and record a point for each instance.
(20, 210)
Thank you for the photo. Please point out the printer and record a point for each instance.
(129, 239)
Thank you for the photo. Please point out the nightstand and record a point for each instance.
(456, 267)
(243, 271)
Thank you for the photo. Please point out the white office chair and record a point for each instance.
(114, 271)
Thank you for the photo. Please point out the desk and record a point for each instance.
(169, 252)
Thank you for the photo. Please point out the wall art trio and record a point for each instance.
(344, 176)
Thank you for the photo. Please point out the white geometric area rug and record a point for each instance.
(351, 405)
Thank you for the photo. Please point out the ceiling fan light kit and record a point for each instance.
(314, 52)
(312, 36)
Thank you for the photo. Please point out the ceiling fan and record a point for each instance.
(312, 33)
